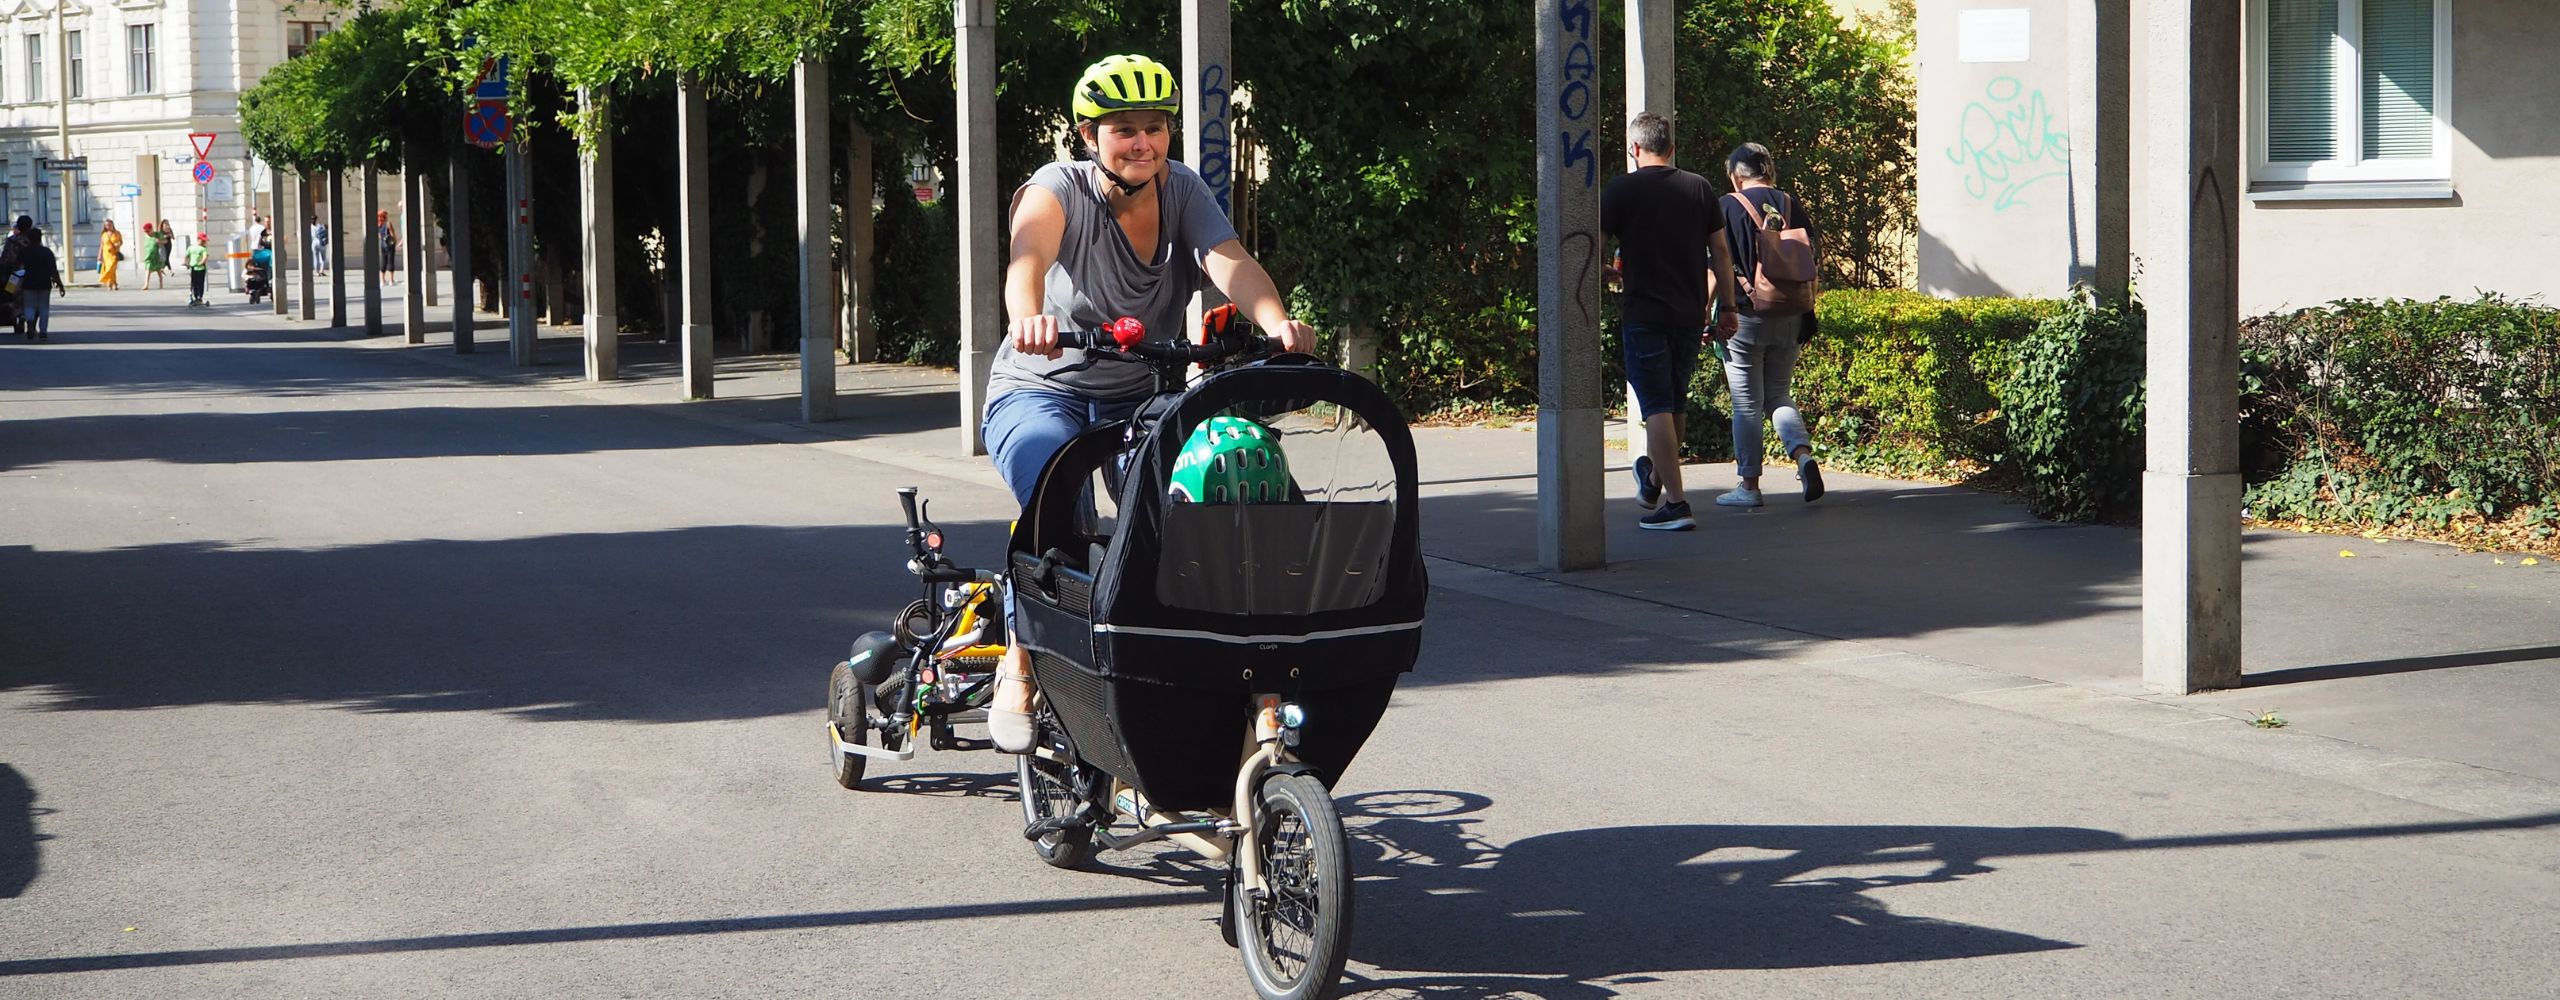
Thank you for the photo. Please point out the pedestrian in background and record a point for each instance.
(110, 254)
(1672, 256)
(195, 267)
(1760, 359)
(168, 253)
(389, 239)
(39, 276)
(155, 257)
(319, 246)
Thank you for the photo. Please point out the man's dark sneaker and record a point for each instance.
(1648, 491)
(1673, 516)
(1811, 475)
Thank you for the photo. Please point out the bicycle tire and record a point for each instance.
(1297, 936)
(849, 712)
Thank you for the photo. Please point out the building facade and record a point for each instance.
(2390, 148)
(135, 78)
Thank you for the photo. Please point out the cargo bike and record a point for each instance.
(1212, 653)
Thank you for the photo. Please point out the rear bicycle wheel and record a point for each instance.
(1051, 791)
(1296, 935)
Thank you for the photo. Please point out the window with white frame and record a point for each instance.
(78, 44)
(35, 67)
(2350, 90)
(141, 42)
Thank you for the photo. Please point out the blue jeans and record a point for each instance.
(1660, 362)
(1759, 372)
(1024, 427)
(35, 305)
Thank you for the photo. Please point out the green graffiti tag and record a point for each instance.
(2008, 141)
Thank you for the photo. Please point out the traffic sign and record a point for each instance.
(491, 84)
(129, 190)
(204, 144)
(62, 163)
(486, 124)
(204, 172)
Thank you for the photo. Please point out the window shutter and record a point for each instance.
(2399, 79)
(2302, 103)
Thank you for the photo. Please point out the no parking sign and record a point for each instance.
(204, 172)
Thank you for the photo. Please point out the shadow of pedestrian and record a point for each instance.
(19, 861)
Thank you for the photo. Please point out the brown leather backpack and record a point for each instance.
(1785, 276)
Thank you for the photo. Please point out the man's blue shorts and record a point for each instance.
(1660, 362)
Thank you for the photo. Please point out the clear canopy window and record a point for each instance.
(1278, 509)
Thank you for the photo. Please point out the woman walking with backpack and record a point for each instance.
(1773, 247)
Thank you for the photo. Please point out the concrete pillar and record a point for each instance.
(861, 318)
(817, 229)
(1651, 74)
(1571, 439)
(2191, 279)
(457, 210)
(521, 346)
(981, 295)
(337, 249)
(595, 191)
(301, 232)
(413, 281)
(693, 184)
(372, 202)
(2102, 146)
(1207, 126)
(279, 238)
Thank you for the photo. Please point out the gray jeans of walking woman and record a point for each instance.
(1760, 371)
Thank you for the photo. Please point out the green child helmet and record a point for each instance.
(1231, 460)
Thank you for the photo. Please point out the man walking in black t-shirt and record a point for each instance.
(1672, 255)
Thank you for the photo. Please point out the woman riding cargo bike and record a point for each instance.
(1131, 233)
(1212, 647)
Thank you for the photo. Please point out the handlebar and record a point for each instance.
(1127, 336)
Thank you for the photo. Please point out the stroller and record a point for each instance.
(1214, 648)
(254, 277)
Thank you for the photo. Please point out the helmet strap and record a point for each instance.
(1117, 181)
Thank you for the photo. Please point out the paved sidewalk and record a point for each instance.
(2407, 668)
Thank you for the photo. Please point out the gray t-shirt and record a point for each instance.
(1096, 279)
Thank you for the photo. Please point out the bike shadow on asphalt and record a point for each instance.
(20, 858)
(1570, 915)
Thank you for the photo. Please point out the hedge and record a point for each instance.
(2358, 412)
(2374, 412)
(1895, 382)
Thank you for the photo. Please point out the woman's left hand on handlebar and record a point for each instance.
(1296, 336)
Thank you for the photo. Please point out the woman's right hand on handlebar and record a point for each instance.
(1036, 334)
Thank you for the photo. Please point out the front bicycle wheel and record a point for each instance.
(1051, 791)
(1296, 935)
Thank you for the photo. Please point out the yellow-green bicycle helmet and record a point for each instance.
(1126, 83)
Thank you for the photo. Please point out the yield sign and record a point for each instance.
(204, 143)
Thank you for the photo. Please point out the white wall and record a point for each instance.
(2499, 232)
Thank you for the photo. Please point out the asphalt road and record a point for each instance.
(326, 672)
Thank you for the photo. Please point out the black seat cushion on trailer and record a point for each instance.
(1275, 558)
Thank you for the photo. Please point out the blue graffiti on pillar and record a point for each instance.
(1574, 100)
(2007, 142)
(1217, 163)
